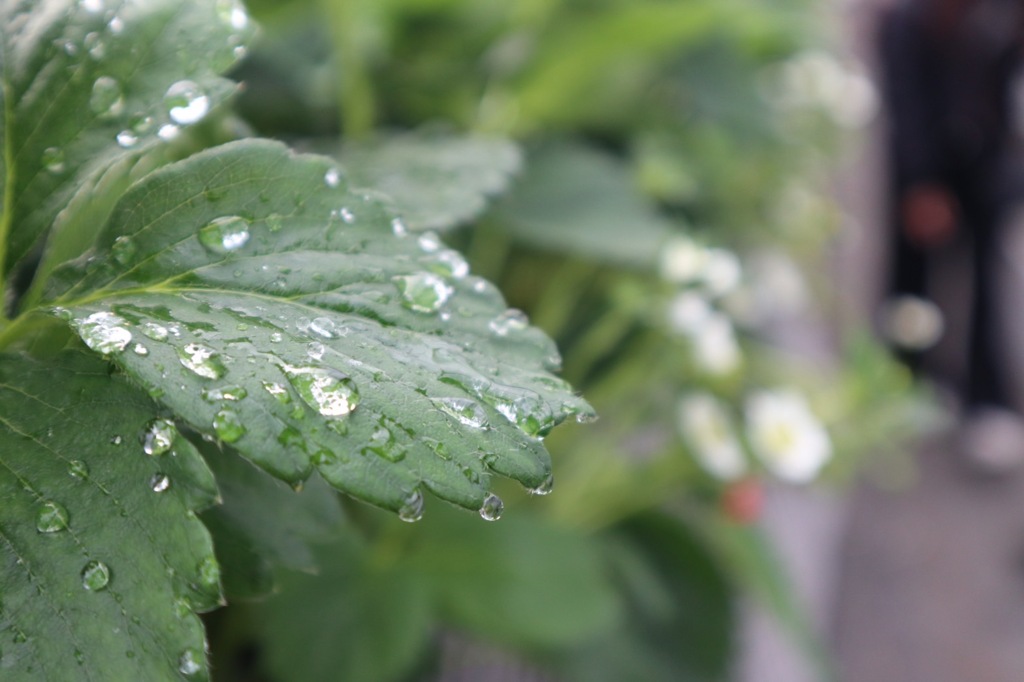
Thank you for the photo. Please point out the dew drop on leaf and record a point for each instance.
(123, 249)
(399, 228)
(231, 393)
(106, 99)
(159, 483)
(449, 263)
(466, 412)
(429, 242)
(228, 426)
(158, 437)
(225, 235)
(510, 321)
(95, 576)
(78, 469)
(412, 507)
(545, 487)
(126, 139)
(186, 103)
(492, 507)
(154, 331)
(168, 132)
(116, 25)
(315, 350)
(92, 6)
(52, 517)
(209, 572)
(202, 361)
(423, 292)
(332, 178)
(53, 160)
(278, 391)
(140, 350)
(323, 327)
(327, 391)
(104, 333)
(189, 662)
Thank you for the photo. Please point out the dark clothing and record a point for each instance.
(947, 83)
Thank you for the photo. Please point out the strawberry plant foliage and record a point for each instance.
(245, 294)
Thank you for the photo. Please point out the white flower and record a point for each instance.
(714, 345)
(707, 429)
(687, 311)
(721, 272)
(784, 434)
(683, 260)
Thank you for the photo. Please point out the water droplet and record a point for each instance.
(158, 437)
(545, 488)
(225, 234)
(154, 331)
(278, 391)
(203, 361)
(429, 242)
(123, 249)
(412, 507)
(449, 263)
(116, 25)
(168, 132)
(116, 440)
(466, 412)
(399, 227)
(103, 332)
(347, 216)
(228, 426)
(140, 350)
(492, 507)
(53, 160)
(332, 178)
(315, 350)
(382, 442)
(323, 327)
(232, 393)
(78, 469)
(189, 662)
(327, 391)
(95, 576)
(52, 517)
(127, 139)
(159, 483)
(511, 320)
(92, 6)
(423, 292)
(186, 103)
(95, 45)
(233, 14)
(106, 99)
(209, 572)
(276, 337)
(290, 436)
(586, 417)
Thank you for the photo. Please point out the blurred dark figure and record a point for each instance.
(949, 68)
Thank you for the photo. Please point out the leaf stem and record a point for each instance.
(8, 196)
(355, 91)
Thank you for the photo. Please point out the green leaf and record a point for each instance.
(680, 620)
(576, 199)
(262, 523)
(102, 560)
(89, 84)
(360, 620)
(525, 582)
(437, 181)
(372, 357)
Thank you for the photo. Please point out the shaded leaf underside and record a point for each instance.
(370, 356)
(102, 560)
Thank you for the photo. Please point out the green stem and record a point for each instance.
(8, 197)
(355, 90)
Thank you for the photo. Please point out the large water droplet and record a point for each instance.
(492, 507)
(225, 234)
(323, 327)
(203, 361)
(104, 333)
(158, 437)
(52, 517)
(545, 488)
(106, 99)
(466, 412)
(423, 292)
(329, 392)
(123, 249)
(95, 576)
(78, 469)
(510, 321)
(53, 160)
(168, 132)
(232, 393)
(412, 507)
(228, 426)
(159, 483)
(186, 103)
(189, 662)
